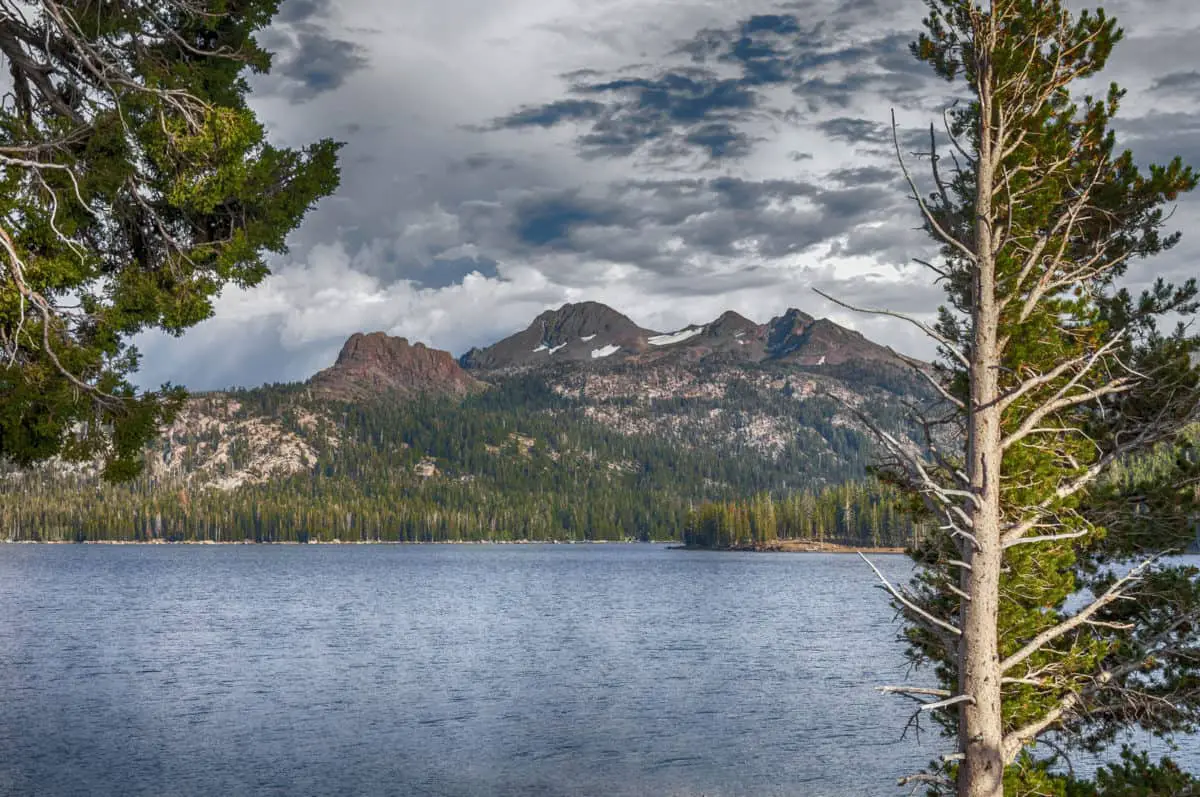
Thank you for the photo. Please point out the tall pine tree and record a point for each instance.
(1045, 604)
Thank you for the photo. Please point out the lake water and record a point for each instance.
(447, 670)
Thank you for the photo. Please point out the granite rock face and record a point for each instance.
(374, 364)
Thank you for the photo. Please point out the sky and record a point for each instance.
(671, 158)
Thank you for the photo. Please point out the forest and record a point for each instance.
(520, 462)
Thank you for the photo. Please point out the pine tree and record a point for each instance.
(135, 182)
(1045, 604)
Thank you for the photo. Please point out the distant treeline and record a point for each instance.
(302, 510)
(861, 513)
(866, 513)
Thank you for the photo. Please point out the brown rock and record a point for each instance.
(376, 365)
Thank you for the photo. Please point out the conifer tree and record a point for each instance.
(1045, 604)
(135, 182)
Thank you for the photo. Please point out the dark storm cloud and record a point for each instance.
(1160, 137)
(444, 272)
(659, 225)
(863, 175)
(547, 221)
(317, 63)
(303, 10)
(671, 112)
(1184, 83)
(875, 138)
(855, 131)
(895, 241)
(552, 113)
(1157, 138)
(308, 60)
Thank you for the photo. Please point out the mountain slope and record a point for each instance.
(538, 437)
(574, 332)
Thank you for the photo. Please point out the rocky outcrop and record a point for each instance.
(801, 339)
(376, 364)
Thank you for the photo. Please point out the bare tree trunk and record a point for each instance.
(981, 732)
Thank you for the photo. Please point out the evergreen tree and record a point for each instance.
(135, 182)
(1044, 604)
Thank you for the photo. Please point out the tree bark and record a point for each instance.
(981, 732)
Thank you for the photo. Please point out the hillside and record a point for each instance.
(582, 426)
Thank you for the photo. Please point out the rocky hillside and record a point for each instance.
(730, 384)
(781, 398)
(584, 423)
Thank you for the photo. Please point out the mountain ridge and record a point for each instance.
(582, 420)
(590, 331)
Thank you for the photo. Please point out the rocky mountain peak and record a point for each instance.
(373, 364)
(797, 336)
(785, 333)
(583, 331)
(590, 334)
(730, 323)
(363, 347)
(581, 319)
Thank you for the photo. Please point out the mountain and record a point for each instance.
(583, 332)
(375, 364)
(583, 425)
(590, 332)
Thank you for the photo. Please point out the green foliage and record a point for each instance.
(1137, 776)
(135, 182)
(862, 513)
(1133, 775)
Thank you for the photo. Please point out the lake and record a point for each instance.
(448, 670)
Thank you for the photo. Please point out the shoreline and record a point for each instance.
(795, 546)
(780, 546)
(335, 542)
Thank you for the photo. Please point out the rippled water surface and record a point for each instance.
(446, 670)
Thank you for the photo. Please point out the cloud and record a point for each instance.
(319, 63)
(669, 114)
(1182, 83)
(673, 158)
(732, 82)
(308, 58)
(303, 10)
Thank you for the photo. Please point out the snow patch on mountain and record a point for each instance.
(586, 338)
(675, 337)
(605, 351)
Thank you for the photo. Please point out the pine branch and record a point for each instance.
(1114, 592)
(935, 625)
